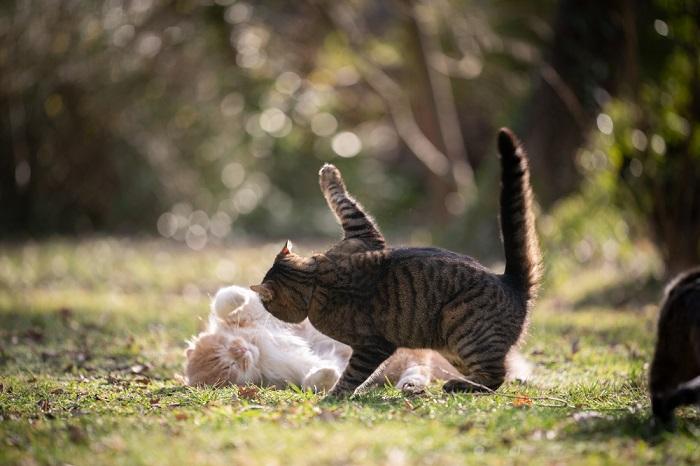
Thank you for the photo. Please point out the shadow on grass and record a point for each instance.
(619, 333)
(62, 341)
(632, 426)
(168, 391)
(630, 293)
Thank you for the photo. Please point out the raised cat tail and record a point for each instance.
(522, 250)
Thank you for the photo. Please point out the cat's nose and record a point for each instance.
(237, 352)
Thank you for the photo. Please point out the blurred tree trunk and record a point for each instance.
(589, 57)
(675, 212)
(432, 100)
(426, 112)
(17, 167)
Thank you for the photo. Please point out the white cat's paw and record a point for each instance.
(321, 379)
(414, 380)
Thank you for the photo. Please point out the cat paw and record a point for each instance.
(414, 380)
(321, 379)
(340, 392)
(412, 385)
(329, 175)
(411, 389)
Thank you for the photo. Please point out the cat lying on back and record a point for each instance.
(376, 299)
(674, 377)
(244, 344)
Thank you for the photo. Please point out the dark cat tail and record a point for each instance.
(522, 250)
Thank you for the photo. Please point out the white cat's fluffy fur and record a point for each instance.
(243, 343)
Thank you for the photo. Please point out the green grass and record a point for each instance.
(91, 341)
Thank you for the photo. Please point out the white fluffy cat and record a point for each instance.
(244, 344)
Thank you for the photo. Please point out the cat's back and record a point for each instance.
(682, 301)
(410, 254)
(431, 263)
(677, 353)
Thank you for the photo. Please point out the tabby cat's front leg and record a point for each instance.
(363, 362)
(357, 224)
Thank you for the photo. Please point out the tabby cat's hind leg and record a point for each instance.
(363, 362)
(482, 373)
(478, 348)
(357, 224)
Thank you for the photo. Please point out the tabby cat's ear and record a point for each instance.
(264, 291)
(286, 249)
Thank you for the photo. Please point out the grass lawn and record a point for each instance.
(91, 342)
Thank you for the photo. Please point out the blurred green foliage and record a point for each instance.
(209, 119)
(646, 154)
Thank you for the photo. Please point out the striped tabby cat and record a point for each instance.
(677, 354)
(376, 300)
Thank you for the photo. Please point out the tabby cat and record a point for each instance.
(380, 299)
(677, 355)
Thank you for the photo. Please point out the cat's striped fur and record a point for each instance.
(677, 354)
(378, 300)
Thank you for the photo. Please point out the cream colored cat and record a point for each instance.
(244, 344)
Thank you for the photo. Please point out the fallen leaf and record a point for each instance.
(181, 416)
(76, 434)
(521, 401)
(466, 427)
(65, 313)
(248, 392)
(35, 334)
(44, 405)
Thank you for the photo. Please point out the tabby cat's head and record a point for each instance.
(287, 287)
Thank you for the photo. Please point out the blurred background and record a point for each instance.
(205, 121)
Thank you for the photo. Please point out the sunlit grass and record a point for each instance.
(91, 341)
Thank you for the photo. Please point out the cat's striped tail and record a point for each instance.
(522, 250)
